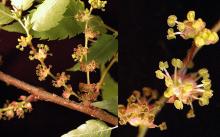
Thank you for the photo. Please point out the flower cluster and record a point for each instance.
(90, 33)
(89, 67)
(98, 4)
(192, 28)
(83, 16)
(185, 88)
(61, 80)
(41, 54)
(79, 53)
(42, 71)
(139, 111)
(10, 110)
(89, 92)
(23, 42)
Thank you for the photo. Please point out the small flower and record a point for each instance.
(67, 92)
(163, 126)
(98, 4)
(28, 106)
(185, 88)
(83, 16)
(89, 92)
(10, 110)
(90, 33)
(41, 54)
(138, 111)
(89, 67)
(61, 80)
(79, 53)
(23, 42)
(42, 71)
(191, 28)
(20, 113)
(9, 114)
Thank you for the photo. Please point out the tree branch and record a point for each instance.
(44, 95)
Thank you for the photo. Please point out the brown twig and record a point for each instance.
(42, 94)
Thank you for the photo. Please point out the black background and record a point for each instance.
(143, 44)
(142, 26)
(46, 119)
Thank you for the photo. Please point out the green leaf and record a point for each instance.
(49, 14)
(97, 24)
(109, 88)
(92, 128)
(14, 27)
(110, 105)
(109, 96)
(101, 51)
(5, 15)
(67, 27)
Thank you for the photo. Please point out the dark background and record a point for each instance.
(46, 119)
(143, 44)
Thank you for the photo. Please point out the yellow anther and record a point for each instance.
(171, 20)
(198, 25)
(168, 82)
(170, 34)
(181, 26)
(213, 38)
(191, 16)
(169, 92)
(206, 81)
(205, 33)
(203, 72)
(203, 101)
(178, 104)
(199, 41)
(159, 74)
(208, 94)
(163, 65)
(177, 63)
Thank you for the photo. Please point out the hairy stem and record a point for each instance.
(44, 95)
